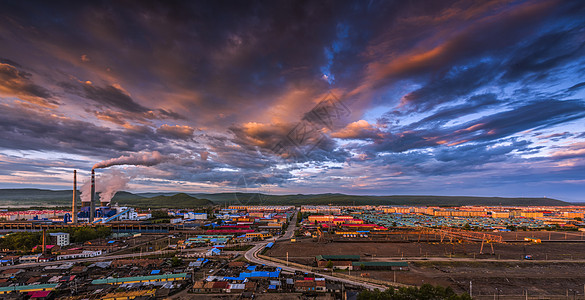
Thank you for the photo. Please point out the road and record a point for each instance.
(252, 256)
(292, 226)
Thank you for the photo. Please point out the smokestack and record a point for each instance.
(74, 207)
(44, 243)
(92, 201)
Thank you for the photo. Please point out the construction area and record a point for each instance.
(516, 267)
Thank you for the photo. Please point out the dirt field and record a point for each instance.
(556, 267)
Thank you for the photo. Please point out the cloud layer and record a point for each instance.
(449, 97)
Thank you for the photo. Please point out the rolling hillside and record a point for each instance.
(176, 201)
(49, 198)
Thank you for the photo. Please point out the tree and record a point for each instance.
(425, 292)
(159, 214)
(175, 262)
(329, 264)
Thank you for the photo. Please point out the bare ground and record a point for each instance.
(557, 266)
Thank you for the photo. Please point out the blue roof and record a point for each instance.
(234, 278)
(154, 272)
(269, 245)
(251, 268)
(272, 287)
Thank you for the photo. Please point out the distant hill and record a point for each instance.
(342, 199)
(48, 198)
(181, 200)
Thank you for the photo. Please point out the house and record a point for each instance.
(212, 252)
(236, 288)
(236, 264)
(33, 258)
(320, 285)
(220, 287)
(198, 286)
(305, 285)
(250, 286)
(9, 260)
(11, 273)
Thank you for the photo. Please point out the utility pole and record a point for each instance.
(470, 289)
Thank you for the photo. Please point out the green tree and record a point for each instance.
(425, 292)
(175, 262)
(159, 214)
(329, 264)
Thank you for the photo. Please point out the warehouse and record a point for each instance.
(337, 257)
(380, 265)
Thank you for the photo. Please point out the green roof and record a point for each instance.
(380, 263)
(28, 287)
(337, 257)
(122, 280)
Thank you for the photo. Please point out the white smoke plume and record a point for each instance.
(107, 184)
(139, 159)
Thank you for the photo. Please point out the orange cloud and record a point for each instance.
(357, 130)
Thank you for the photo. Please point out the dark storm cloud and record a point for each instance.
(43, 131)
(457, 82)
(113, 97)
(547, 52)
(18, 83)
(47, 131)
(472, 105)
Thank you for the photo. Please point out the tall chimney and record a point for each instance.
(92, 201)
(74, 207)
(44, 243)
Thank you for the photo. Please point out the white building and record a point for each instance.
(59, 238)
(196, 216)
(83, 254)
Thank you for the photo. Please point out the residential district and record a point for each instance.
(333, 252)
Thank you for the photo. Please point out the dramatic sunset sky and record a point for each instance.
(433, 97)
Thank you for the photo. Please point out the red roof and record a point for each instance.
(39, 294)
(229, 231)
(220, 285)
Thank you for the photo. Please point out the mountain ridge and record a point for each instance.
(36, 197)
